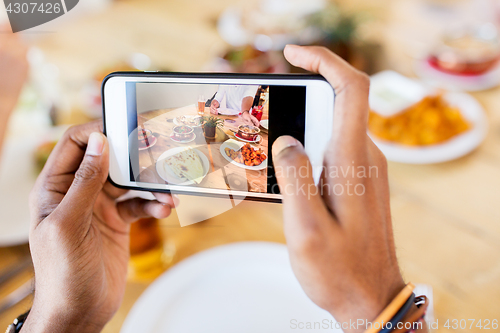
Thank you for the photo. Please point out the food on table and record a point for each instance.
(42, 154)
(182, 132)
(189, 120)
(428, 122)
(468, 55)
(186, 165)
(183, 129)
(248, 132)
(246, 155)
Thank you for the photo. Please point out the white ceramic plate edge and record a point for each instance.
(148, 308)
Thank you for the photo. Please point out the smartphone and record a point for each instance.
(211, 134)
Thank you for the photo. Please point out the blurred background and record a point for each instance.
(435, 114)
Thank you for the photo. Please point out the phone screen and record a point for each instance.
(210, 135)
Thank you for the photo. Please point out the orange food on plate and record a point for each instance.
(246, 155)
(428, 122)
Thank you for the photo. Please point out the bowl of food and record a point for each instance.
(144, 136)
(466, 54)
(182, 132)
(248, 132)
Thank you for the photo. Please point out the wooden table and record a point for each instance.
(446, 217)
(221, 173)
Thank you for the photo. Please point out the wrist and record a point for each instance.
(366, 306)
(43, 318)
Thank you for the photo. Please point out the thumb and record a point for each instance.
(295, 178)
(89, 178)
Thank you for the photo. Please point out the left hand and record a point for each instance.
(79, 237)
(249, 119)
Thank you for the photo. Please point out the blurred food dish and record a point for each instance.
(243, 155)
(248, 59)
(90, 96)
(269, 25)
(466, 55)
(248, 132)
(464, 60)
(182, 132)
(430, 121)
(437, 128)
(182, 166)
(222, 288)
(246, 155)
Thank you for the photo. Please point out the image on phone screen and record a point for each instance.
(214, 136)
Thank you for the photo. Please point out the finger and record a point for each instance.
(301, 198)
(134, 209)
(165, 198)
(112, 191)
(69, 151)
(351, 89)
(89, 179)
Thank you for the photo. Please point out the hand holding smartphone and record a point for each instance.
(196, 134)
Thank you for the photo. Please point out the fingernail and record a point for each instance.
(282, 143)
(95, 144)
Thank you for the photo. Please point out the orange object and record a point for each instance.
(430, 121)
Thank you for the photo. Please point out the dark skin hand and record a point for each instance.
(79, 237)
(341, 246)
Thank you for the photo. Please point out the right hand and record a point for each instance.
(214, 106)
(341, 244)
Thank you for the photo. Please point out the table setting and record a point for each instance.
(436, 124)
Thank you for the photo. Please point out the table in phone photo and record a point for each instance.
(221, 173)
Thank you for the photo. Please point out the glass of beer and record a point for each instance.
(149, 256)
(201, 105)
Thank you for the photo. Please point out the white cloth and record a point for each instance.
(235, 94)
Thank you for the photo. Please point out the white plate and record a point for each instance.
(265, 124)
(235, 145)
(454, 148)
(228, 112)
(169, 176)
(450, 81)
(242, 287)
(17, 177)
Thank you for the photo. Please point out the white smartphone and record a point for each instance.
(211, 134)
